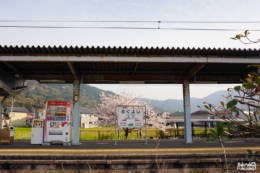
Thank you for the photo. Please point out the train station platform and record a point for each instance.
(105, 157)
(169, 145)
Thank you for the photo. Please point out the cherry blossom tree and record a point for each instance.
(106, 110)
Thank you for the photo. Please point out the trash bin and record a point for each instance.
(11, 128)
(5, 136)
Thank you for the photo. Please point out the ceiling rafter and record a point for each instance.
(194, 70)
(12, 67)
(136, 65)
(73, 70)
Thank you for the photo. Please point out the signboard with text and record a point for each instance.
(130, 117)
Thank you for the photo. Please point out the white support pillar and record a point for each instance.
(76, 116)
(187, 116)
(1, 116)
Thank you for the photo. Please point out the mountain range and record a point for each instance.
(89, 97)
(174, 105)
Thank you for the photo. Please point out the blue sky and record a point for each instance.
(130, 10)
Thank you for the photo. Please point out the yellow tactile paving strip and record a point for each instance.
(129, 151)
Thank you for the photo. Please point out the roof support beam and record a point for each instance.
(5, 87)
(194, 70)
(115, 78)
(180, 59)
(12, 67)
(73, 70)
(136, 65)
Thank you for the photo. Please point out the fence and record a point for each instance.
(133, 134)
(109, 134)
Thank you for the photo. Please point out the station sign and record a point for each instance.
(130, 117)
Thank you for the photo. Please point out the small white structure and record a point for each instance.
(87, 118)
(37, 131)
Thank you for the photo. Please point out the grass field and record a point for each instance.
(107, 133)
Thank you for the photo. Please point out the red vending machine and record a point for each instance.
(57, 122)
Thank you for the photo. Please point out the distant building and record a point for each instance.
(87, 118)
(201, 114)
(195, 115)
(17, 116)
(225, 113)
(176, 115)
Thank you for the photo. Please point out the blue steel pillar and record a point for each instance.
(186, 106)
(76, 99)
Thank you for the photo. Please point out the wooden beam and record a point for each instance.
(136, 65)
(116, 78)
(73, 70)
(12, 67)
(194, 70)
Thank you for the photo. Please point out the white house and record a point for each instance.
(87, 118)
(17, 116)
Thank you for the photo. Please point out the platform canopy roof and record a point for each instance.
(57, 64)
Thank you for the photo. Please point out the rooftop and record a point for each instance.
(106, 65)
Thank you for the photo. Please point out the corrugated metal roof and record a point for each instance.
(48, 50)
(177, 114)
(200, 112)
(119, 64)
(18, 109)
(85, 110)
(223, 112)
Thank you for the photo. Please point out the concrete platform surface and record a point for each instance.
(132, 147)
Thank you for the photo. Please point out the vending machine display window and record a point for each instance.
(57, 121)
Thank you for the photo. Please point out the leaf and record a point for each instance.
(250, 152)
(220, 124)
(239, 36)
(254, 158)
(231, 103)
(206, 107)
(254, 65)
(246, 32)
(248, 85)
(222, 103)
(237, 88)
(257, 80)
(213, 132)
(229, 89)
(257, 152)
(249, 80)
(220, 130)
(234, 110)
(209, 105)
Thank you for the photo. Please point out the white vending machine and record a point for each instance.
(57, 122)
(37, 131)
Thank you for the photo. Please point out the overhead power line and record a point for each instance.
(127, 28)
(129, 21)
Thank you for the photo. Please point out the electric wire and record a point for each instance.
(127, 28)
(130, 21)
